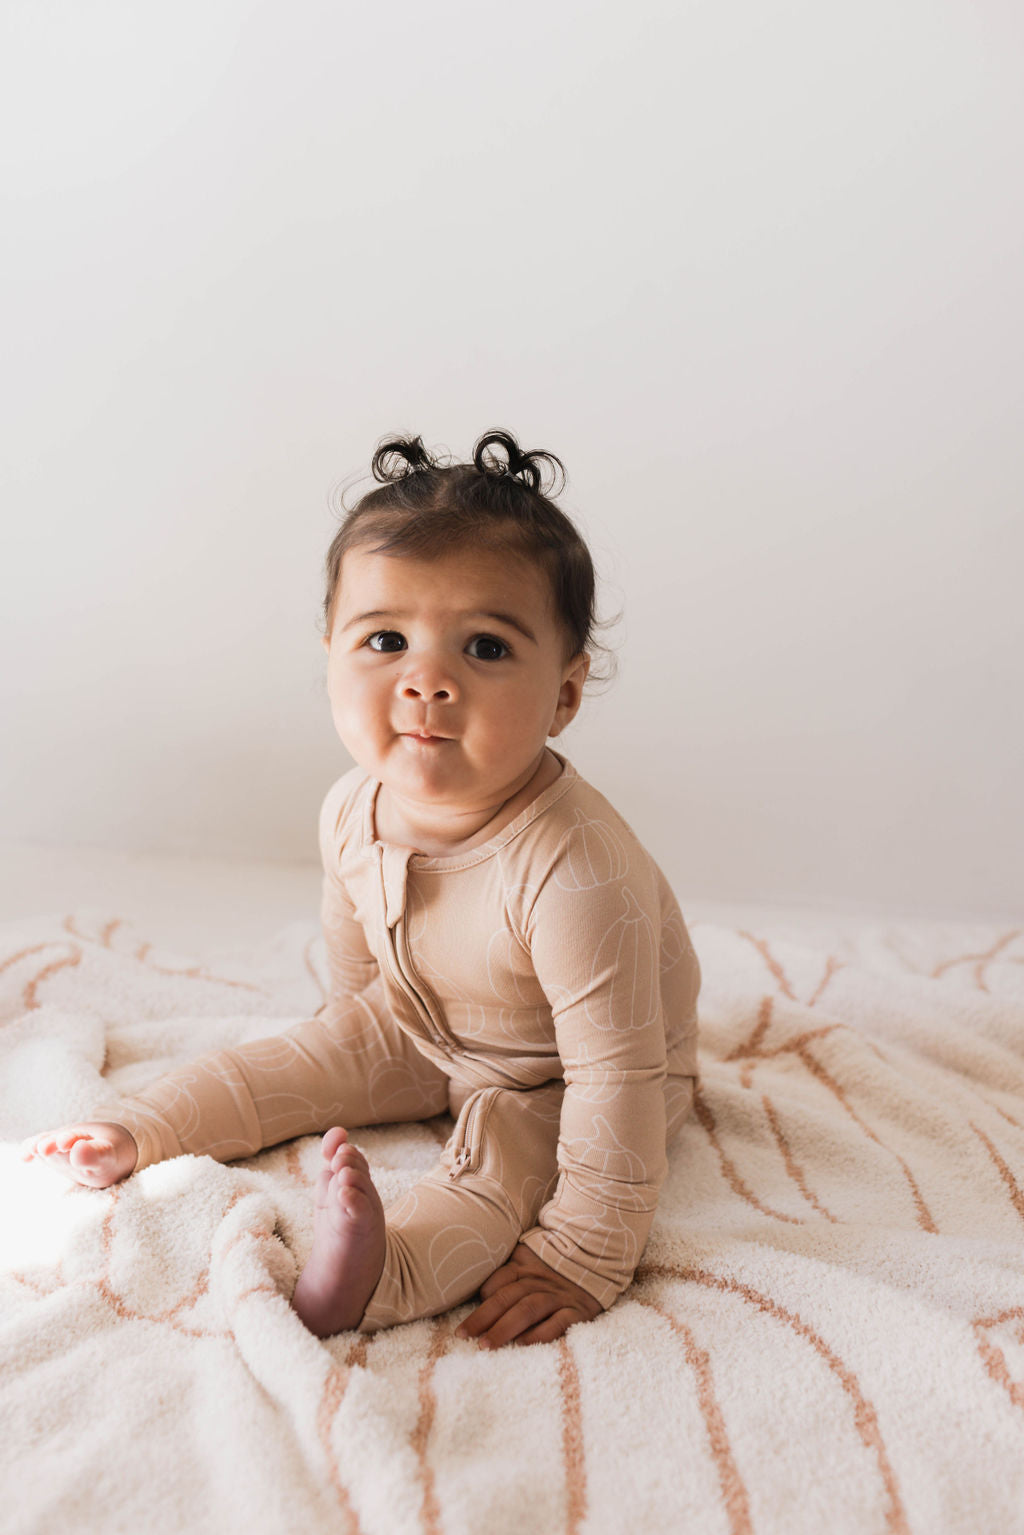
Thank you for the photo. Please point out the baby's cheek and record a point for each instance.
(525, 715)
(356, 710)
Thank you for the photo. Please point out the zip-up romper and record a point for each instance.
(542, 987)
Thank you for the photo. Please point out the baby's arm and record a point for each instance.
(597, 953)
(232, 1103)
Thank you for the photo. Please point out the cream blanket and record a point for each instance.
(826, 1333)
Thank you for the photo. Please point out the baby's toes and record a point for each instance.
(349, 1157)
(349, 1191)
(335, 1138)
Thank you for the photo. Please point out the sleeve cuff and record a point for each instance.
(604, 1291)
(155, 1141)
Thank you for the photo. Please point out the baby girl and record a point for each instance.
(500, 945)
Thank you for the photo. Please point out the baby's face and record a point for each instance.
(446, 676)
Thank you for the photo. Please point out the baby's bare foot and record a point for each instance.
(94, 1154)
(348, 1242)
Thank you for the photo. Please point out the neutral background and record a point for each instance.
(753, 271)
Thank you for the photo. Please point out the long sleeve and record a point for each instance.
(348, 1065)
(596, 950)
(231, 1103)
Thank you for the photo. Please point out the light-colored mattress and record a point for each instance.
(826, 1332)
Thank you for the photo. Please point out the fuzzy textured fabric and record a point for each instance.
(826, 1331)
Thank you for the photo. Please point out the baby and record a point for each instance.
(500, 945)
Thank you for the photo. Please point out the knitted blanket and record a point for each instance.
(826, 1331)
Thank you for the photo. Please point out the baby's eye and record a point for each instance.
(484, 647)
(387, 641)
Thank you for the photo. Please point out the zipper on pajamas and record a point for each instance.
(398, 975)
(469, 1132)
(403, 980)
(419, 992)
(403, 972)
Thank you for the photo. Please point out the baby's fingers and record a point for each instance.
(521, 1318)
(506, 1275)
(552, 1328)
(39, 1145)
(54, 1141)
(493, 1307)
(68, 1138)
(513, 1311)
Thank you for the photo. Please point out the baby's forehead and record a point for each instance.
(473, 573)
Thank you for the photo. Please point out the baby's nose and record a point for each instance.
(428, 682)
(421, 690)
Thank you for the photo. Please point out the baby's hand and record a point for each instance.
(96, 1155)
(527, 1301)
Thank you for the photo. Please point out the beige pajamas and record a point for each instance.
(542, 987)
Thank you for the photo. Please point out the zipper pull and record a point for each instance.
(460, 1162)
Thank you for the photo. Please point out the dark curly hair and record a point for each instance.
(425, 507)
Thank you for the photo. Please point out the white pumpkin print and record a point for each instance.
(593, 856)
(625, 973)
(459, 1258)
(609, 1241)
(504, 959)
(675, 942)
(603, 1152)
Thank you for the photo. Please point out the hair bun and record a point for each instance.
(399, 457)
(526, 466)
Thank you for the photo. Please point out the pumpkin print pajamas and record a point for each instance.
(541, 987)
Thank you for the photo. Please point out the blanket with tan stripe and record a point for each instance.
(826, 1332)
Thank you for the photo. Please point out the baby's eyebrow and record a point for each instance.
(511, 620)
(391, 613)
(364, 618)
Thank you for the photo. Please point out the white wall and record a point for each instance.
(753, 271)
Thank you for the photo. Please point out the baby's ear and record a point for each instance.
(570, 694)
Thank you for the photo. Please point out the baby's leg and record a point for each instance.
(95, 1154)
(445, 1237)
(448, 1235)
